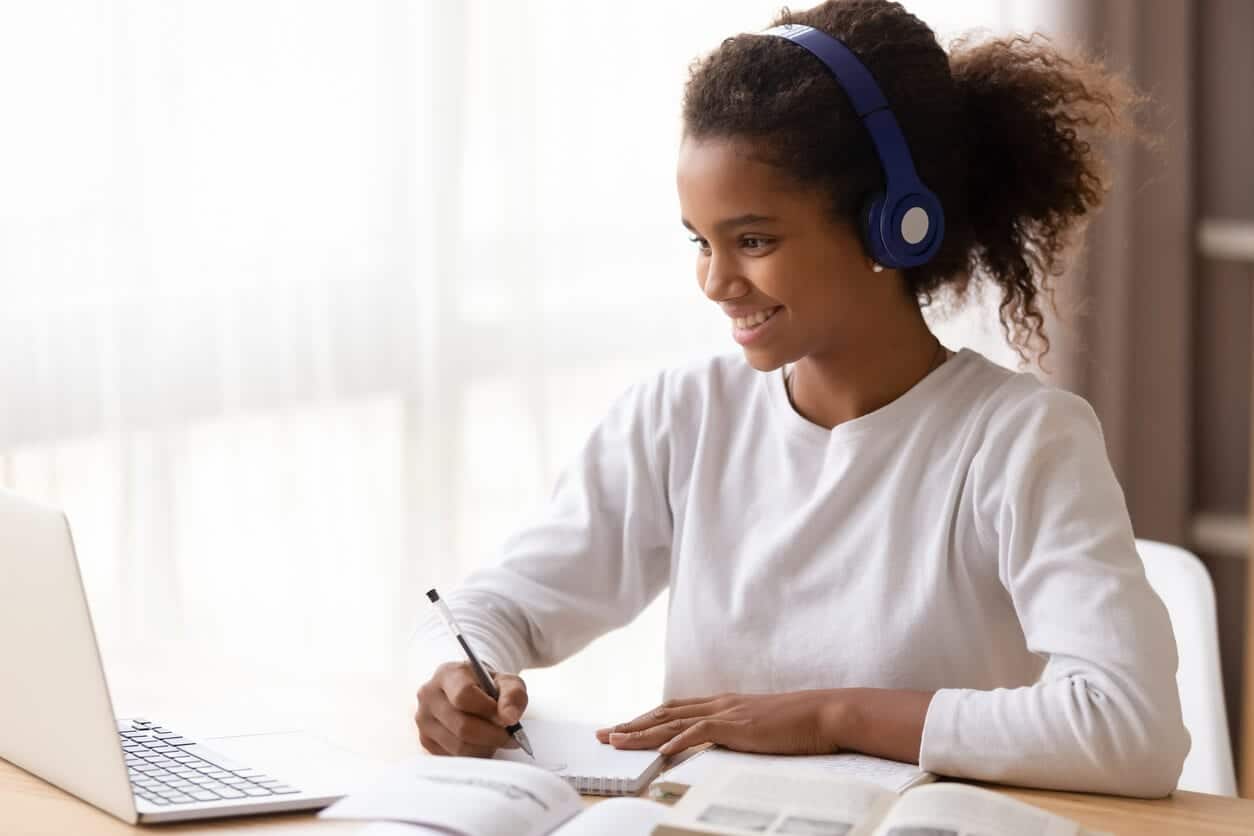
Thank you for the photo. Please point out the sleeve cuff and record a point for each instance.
(941, 747)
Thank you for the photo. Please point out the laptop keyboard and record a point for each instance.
(166, 769)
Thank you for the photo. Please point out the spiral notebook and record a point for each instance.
(572, 751)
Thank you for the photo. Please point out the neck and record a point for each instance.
(832, 388)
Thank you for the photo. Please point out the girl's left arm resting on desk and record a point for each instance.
(882, 722)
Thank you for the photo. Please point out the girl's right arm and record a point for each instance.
(593, 559)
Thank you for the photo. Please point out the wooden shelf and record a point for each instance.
(1226, 238)
(1222, 535)
(1229, 239)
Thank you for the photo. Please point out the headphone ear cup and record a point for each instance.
(872, 209)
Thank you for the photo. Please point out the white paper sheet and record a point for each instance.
(472, 796)
(617, 816)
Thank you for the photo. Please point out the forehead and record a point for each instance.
(718, 176)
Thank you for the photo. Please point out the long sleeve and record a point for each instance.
(597, 554)
(1105, 714)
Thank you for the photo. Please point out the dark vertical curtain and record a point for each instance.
(1125, 339)
(1153, 334)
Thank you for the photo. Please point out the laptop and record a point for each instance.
(57, 719)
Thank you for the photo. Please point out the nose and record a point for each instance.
(720, 278)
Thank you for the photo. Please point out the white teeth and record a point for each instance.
(753, 319)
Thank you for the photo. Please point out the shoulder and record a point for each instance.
(1024, 407)
(1000, 400)
(1018, 419)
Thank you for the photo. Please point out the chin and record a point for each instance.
(764, 361)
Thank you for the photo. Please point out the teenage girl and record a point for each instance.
(871, 543)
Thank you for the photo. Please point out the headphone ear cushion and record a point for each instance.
(869, 221)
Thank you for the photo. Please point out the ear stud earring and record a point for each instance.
(876, 267)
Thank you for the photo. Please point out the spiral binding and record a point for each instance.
(598, 785)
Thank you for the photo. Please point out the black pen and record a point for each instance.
(485, 681)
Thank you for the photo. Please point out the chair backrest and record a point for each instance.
(1185, 586)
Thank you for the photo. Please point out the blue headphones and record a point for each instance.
(904, 224)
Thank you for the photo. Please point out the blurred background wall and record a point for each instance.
(1158, 332)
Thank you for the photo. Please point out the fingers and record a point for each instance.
(512, 702)
(462, 690)
(666, 713)
(443, 738)
(455, 716)
(469, 729)
(652, 738)
(702, 731)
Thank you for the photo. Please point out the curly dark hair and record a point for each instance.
(1002, 130)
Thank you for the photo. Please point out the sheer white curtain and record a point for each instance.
(306, 302)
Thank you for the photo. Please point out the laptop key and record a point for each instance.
(283, 789)
(204, 795)
(213, 757)
(255, 791)
(179, 798)
(229, 792)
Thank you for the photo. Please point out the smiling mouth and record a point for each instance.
(748, 323)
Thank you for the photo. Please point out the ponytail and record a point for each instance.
(1032, 114)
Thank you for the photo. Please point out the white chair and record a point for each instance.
(1185, 586)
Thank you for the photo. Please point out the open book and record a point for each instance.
(478, 797)
(699, 767)
(739, 802)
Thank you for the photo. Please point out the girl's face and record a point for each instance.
(768, 247)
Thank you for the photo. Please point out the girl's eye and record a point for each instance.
(752, 242)
(700, 242)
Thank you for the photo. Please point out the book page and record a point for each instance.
(891, 775)
(957, 810)
(470, 796)
(740, 801)
(619, 816)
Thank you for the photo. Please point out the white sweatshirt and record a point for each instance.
(969, 538)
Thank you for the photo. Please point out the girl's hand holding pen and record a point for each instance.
(456, 717)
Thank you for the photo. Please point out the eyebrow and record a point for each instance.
(731, 223)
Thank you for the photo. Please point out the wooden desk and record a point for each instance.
(29, 807)
(375, 718)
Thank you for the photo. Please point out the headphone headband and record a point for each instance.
(906, 223)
